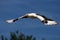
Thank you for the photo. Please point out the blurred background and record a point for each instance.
(10, 9)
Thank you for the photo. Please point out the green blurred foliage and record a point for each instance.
(18, 36)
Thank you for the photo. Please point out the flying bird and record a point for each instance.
(42, 18)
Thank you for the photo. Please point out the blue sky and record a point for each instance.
(14, 8)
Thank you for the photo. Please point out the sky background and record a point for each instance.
(10, 9)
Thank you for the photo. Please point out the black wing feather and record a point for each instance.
(45, 17)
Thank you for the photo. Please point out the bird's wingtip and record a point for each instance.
(51, 23)
(9, 21)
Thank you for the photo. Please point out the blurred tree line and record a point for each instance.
(19, 36)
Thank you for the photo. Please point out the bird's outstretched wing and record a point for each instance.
(13, 20)
(46, 20)
(44, 17)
